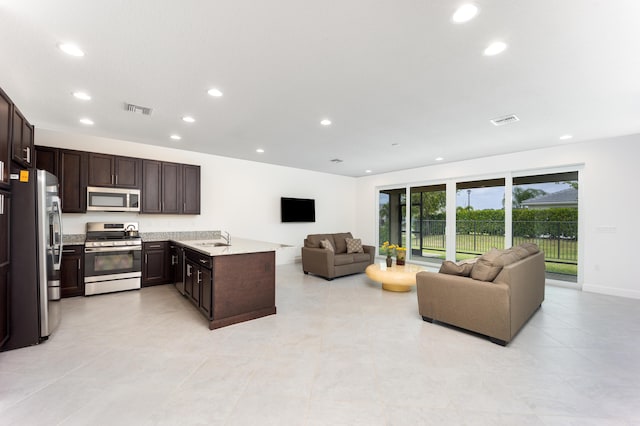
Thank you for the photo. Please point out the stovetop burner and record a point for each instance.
(100, 234)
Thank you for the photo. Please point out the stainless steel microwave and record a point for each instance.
(113, 199)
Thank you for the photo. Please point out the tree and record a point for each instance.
(520, 195)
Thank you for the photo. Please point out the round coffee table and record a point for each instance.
(394, 278)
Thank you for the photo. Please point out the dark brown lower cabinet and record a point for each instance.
(229, 289)
(71, 271)
(4, 266)
(156, 261)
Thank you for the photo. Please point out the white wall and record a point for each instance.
(242, 197)
(609, 202)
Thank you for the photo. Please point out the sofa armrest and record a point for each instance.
(475, 305)
(318, 261)
(371, 251)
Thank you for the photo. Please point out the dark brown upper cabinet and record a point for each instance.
(72, 178)
(170, 188)
(5, 138)
(21, 140)
(190, 189)
(47, 159)
(114, 171)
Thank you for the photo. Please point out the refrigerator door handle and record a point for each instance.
(57, 242)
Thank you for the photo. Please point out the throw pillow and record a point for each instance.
(354, 245)
(326, 244)
(462, 269)
(530, 247)
(488, 266)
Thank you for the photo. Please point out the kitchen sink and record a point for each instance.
(212, 244)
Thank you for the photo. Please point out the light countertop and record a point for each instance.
(238, 246)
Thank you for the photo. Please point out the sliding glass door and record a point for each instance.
(428, 220)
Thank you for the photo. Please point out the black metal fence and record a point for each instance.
(558, 239)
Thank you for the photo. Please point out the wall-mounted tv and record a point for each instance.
(297, 209)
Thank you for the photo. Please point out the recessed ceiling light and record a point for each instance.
(87, 121)
(188, 119)
(82, 95)
(367, 171)
(495, 48)
(439, 158)
(465, 13)
(71, 49)
(326, 122)
(176, 137)
(565, 137)
(214, 92)
(259, 150)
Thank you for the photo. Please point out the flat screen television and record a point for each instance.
(297, 209)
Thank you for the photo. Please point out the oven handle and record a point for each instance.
(107, 249)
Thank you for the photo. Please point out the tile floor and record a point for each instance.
(337, 353)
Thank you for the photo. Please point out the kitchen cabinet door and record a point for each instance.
(206, 290)
(155, 269)
(4, 266)
(190, 189)
(127, 172)
(47, 159)
(189, 277)
(151, 186)
(5, 138)
(171, 188)
(71, 271)
(72, 177)
(21, 139)
(101, 170)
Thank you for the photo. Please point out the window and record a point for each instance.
(392, 213)
(428, 220)
(479, 217)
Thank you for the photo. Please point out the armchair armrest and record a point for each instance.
(318, 261)
(371, 251)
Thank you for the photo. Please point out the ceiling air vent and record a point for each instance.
(138, 109)
(336, 160)
(507, 119)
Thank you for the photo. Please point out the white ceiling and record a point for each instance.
(385, 72)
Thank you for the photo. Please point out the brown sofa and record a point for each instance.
(497, 308)
(331, 264)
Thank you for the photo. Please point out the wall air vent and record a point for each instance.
(507, 119)
(336, 160)
(138, 109)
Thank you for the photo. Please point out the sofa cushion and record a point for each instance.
(339, 241)
(326, 244)
(313, 240)
(521, 252)
(530, 247)
(488, 266)
(354, 245)
(361, 257)
(342, 259)
(462, 269)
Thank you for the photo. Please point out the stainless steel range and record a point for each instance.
(112, 257)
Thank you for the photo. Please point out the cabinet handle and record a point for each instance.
(27, 154)
(145, 257)
(68, 251)
(174, 259)
(2, 204)
(1, 171)
(116, 179)
(188, 270)
(155, 246)
(199, 277)
(203, 261)
(78, 264)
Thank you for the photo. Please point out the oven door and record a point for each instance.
(106, 263)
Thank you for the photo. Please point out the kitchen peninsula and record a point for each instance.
(228, 283)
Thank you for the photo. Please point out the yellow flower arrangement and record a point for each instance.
(388, 248)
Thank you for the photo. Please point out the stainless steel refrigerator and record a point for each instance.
(36, 253)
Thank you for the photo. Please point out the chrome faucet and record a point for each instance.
(227, 237)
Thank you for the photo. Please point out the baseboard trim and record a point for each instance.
(611, 291)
